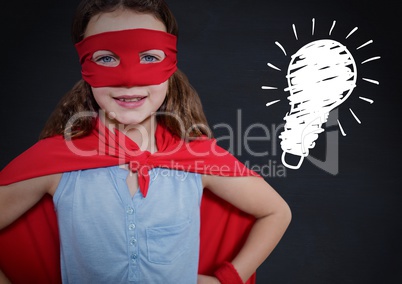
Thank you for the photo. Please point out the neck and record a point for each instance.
(143, 134)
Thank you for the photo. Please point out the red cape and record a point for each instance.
(29, 248)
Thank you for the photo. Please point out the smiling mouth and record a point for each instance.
(127, 99)
(131, 100)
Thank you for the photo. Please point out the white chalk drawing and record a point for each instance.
(321, 75)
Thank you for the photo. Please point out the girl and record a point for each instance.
(133, 157)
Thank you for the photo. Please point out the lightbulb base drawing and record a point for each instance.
(298, 137)
(296, 162)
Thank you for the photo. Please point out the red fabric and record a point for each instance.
(127, 46)
(227, 274)
(29, 248)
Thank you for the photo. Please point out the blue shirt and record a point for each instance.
(109, 236)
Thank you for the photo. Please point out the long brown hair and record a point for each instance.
(181, 112)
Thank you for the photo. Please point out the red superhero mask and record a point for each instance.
(127, 46)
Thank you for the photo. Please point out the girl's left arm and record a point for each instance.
(255, 196)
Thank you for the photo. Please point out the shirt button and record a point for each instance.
(133, 242)
(134, 257)
(130, 211)
(131, 227)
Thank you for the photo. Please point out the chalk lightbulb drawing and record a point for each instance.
(321, 75)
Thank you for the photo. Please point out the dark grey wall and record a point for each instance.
(345, 226)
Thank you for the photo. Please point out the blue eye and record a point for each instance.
(105, 59)
(149, 58)
(152, 56)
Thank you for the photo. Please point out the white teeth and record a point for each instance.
(130, 100)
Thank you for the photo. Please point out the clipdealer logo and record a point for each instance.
(241, 140)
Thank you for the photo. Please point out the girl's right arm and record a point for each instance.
(19, 197)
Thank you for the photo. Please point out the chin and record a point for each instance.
(130, 122)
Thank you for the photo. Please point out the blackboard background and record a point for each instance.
(345, 227)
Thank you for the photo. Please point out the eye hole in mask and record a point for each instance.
(106, 58)
(110, 59)
(152, 56)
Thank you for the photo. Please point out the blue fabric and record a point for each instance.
(108, 236)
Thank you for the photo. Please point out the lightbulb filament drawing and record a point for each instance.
(321, 75)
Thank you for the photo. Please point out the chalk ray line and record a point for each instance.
(294, 31)
(271, 103)
(365, 44)
(371, 81)
(341, 128)
(313, 26)
(351, 32)
(366, 100)
(268, 88)
(355, 116)
(273, 66)
(281, 47)
(371, 59)
(332, 27)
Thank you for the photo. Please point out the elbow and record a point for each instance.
(5, 220)
(280, 216)
(287, 214)
(4, 223)
(283, 215)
